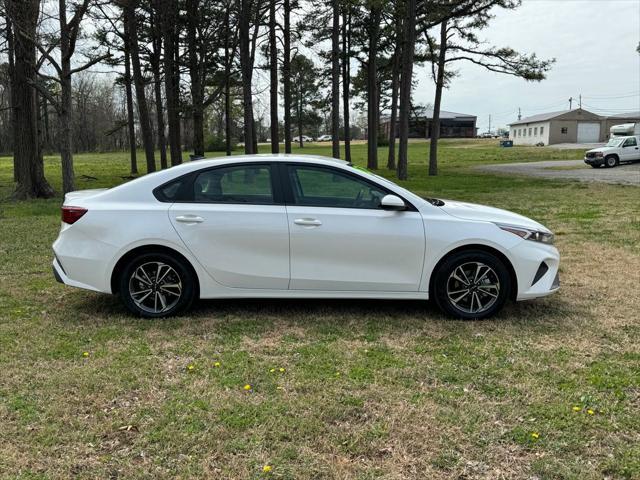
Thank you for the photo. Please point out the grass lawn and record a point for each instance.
(549, 389)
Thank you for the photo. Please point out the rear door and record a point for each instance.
(341, 240)
(234, 222)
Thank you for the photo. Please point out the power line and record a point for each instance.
(607, 97)
(614, 110)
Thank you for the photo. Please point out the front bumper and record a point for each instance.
(594, 160)
(527, 258)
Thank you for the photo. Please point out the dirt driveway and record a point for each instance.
(628, 174)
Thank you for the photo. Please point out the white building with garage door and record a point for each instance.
(568, 126)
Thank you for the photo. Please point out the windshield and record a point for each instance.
(614, 142)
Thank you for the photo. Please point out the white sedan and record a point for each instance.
(295, 226)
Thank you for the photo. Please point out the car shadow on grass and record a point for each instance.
(262, 315)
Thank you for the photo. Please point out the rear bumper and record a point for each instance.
(61, 277)
(80, 261)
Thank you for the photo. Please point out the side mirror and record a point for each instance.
(392, 202)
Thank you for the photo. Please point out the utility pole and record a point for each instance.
(580, 100)
(489, 123)
(570, 102)
(519, 114)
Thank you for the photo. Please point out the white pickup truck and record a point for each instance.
(617, 149)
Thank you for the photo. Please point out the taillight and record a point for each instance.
(71, 215)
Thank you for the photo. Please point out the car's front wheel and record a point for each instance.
(157, 285)
(471, 285)
(611, 161)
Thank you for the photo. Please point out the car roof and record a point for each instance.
(271, 157)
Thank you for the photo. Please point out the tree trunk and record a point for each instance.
(273, 85)
(171, 78)
(335, 80)
(12, 100)
(141, 100)
(395, 85)
(27, 156)
(65, 139)
(45, 118)
(129, 94)
(195, 73)
(246, 68)
(286, 76)
(300, 139)
(435, 122)
(346, 78)
(372, 88)
(227, 84)
(405, 86)
(65, 108)
(156, 57)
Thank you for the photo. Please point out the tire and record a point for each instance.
(487, 293)
(611, 161)
(174, 293)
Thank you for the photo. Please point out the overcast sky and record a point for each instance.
(593, 41)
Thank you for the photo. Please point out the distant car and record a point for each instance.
(325, 138)
(295, 226)
(617, 149)
(304, 139)
(486, 135)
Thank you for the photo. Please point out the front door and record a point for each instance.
(342, 241)
(235, 228)
(630, 149)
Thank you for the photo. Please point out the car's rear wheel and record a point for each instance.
(471, 285)
(611, 161)
(156, 285)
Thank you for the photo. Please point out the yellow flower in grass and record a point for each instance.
(590, 412)
(535, 435)
(217, 364)
(191, 367)
(85, 354)
(266, 468)
(576, 408)
(281, 370)
(337, 374)
(247, 387)
(272, 370)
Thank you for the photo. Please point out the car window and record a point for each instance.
(630, 142)
(328, 187)
(170, 192)
(237, 184)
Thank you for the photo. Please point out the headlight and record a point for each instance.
(599, 154)
(528, 233)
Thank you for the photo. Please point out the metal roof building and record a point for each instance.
(452, 125)
(567, 126)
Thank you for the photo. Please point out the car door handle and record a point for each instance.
(189, 219)
(307, 222)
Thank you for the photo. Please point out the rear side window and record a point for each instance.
(171, 192)
(237, 184)
(630, 142)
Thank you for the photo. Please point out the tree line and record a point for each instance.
(191, 73)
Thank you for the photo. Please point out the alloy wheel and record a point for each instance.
(155, 287)
(473, 287)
